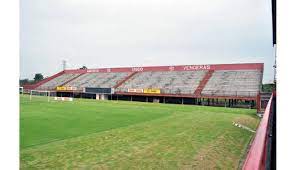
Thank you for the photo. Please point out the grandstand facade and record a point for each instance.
(231, 85)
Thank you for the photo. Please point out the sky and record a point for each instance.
(116, 33)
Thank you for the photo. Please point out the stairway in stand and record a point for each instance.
(124, 80)
(203, 83)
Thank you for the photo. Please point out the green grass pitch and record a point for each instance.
(90, 134)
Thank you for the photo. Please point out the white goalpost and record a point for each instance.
(21, 90)
(40, 93)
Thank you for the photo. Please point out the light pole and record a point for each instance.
(64, 63)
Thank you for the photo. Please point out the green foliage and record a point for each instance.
(90, 134)
(268, 87)
(83, 68)
(38, 77)
(26, 81)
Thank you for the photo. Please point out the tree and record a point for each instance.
(83, 68)
(24, 81)
(268, 87)
(38, 77)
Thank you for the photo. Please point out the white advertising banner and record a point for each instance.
(135, 90)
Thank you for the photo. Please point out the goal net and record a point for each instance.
(41, 94)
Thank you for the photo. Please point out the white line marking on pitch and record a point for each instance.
(243, 127)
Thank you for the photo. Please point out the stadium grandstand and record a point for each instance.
(231, 85)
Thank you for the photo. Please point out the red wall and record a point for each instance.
(256, 158)
(245, 66)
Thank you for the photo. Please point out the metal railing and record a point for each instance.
(257, 156)
(229, 93)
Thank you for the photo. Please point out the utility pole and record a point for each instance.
(64, 63)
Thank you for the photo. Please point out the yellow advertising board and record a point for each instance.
(64, 88)
(61, 88)
(154, 91)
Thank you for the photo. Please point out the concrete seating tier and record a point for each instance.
(58, 81)
(103, 80)
(170, 82)
(244, 83)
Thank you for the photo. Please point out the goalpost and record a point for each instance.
(40, 93)
(21, 90)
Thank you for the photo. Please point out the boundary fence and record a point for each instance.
(262, 151)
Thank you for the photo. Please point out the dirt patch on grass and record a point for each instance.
(248, 121)
(218, 154)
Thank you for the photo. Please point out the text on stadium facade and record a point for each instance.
(93, 70)
(197, 67)
(141, 69)
(247, 66)
(137, 69)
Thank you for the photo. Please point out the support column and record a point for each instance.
(258, 103)
(253, 103)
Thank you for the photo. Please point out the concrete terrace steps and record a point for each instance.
(170, 82)
(57, 81)
(72, 79)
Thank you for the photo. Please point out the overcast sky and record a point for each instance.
(113, 33)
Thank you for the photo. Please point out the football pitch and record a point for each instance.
(90, 134)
